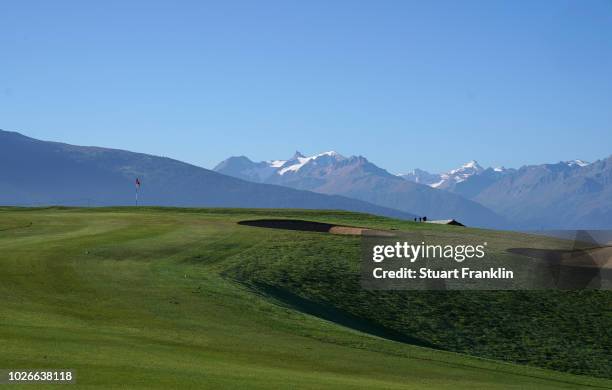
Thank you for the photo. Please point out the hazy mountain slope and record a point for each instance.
(567, 195)
(562, 195)
(356, 177)
(42, 173)
(243, 168)
(468, 180)
(360, 179)
(420, 176)
(475, 184)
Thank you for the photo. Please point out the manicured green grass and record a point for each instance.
(186, 298)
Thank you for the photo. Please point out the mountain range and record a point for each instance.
(566, 195)
(356, 177)
(569, 194)
(42, 173)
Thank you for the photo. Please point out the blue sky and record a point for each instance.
(426, 84)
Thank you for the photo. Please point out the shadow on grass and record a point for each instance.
(332, 314)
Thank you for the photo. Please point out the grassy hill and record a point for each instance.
(179, 298)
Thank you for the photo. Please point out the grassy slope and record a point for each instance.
(137, 298)
(562, 330)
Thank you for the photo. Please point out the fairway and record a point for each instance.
(188, 298)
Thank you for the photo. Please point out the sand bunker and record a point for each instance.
(351, 231)
(310, 226)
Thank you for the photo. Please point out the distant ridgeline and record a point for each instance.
(566, 195)
(49, 173)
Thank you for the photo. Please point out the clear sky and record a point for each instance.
(427, 84)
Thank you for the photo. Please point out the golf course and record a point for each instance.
(189, 298)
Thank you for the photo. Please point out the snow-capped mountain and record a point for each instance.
(458, 175)
(467, 173)
(420, 176)
(448, 179)
(299, 161)
(576, 163)
(530, 197)
(568, 194)
(50, 173)
(356, 177)
(264, 171)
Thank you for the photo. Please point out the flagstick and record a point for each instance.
(137, 190)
